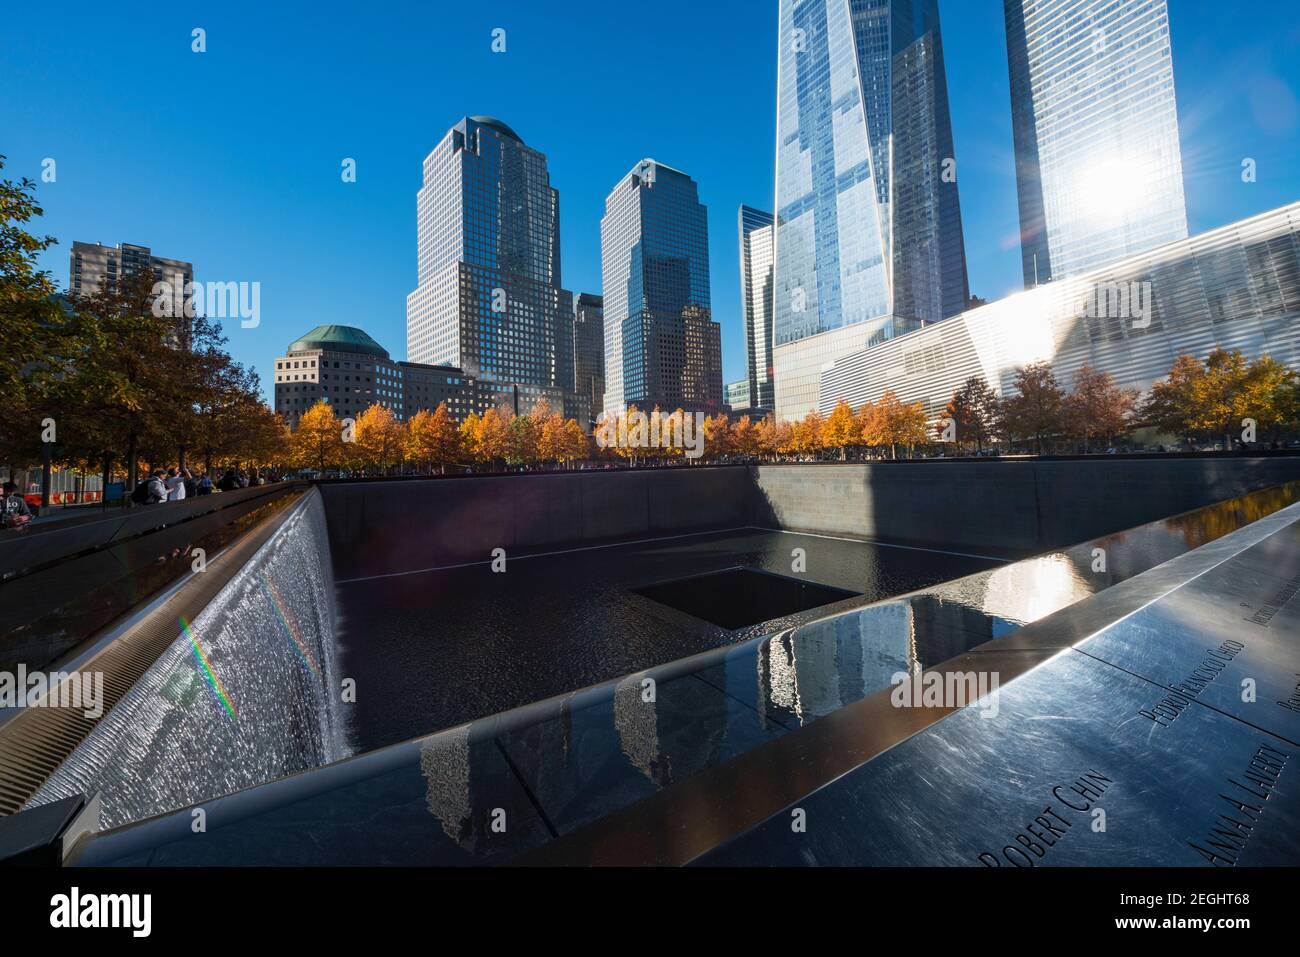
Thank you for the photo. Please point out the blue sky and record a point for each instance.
(231, 158)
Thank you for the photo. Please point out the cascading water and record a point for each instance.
(247, 693)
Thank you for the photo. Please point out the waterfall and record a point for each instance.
(247, 693)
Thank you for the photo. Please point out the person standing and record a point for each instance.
(175, 486)
(157, 488)
(15, 512)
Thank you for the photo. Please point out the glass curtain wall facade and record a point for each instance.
(868, 222)
(1098, 164)
(489, 299)
(868, 212)
(589, 351)
(756, 301)
(831, 238)
(662, 346)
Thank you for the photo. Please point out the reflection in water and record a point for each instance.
(1034, 589)
(652, 739)
(1214, 521)
(172, 741)
(445, 764)
(811, 671)
(806, 673)
(638, 737)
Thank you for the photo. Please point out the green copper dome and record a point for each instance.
(340, 339)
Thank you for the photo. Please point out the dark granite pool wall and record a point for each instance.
(381, 527)
(1006, 508)
(1002, 508)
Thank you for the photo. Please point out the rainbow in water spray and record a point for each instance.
(281, 608)
(205, 666)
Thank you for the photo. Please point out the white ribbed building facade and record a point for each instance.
(1235, 287)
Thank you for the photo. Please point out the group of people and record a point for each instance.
(175, 484)
(162, 485)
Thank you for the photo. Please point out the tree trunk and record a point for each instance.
(130, 467)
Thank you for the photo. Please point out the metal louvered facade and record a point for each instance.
(1236, 287)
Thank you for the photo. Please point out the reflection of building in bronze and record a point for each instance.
(652, 741)
(827, 664)
(635, 720)
(444, 762)
(778, 692)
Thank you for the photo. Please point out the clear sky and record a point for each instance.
(231, 158)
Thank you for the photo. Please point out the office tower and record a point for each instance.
(489, 298)
(868, 224)
(94, 267)
(662, 347)
(589, 352)
(565, 373)
(1098, 166)
(756, 304)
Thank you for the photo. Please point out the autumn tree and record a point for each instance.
(896, 423)
(1266, 395)
(766, 438)
(870, 424)
(469, 432)
(380, 438)
(744, 437)
(490, 435)
(1170, 406)
(807, 437)
(1287, 400)
(521, 436)
(262, 440)
(577, 444)
(784, 441)
(1213, 397)
(841, 429)
(318, 440)
(1037, 408)
(433, 438)
(908, 425)
(1221, 394)
(973, 410)
(1097, 408)
(551, 439)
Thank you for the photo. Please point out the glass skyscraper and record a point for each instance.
(489, 299)
(1098, 165)
(868, 219)
(756, 301)
(662, 346)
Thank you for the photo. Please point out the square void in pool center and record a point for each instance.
(738, 597)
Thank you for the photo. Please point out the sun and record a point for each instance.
(1110, 191)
